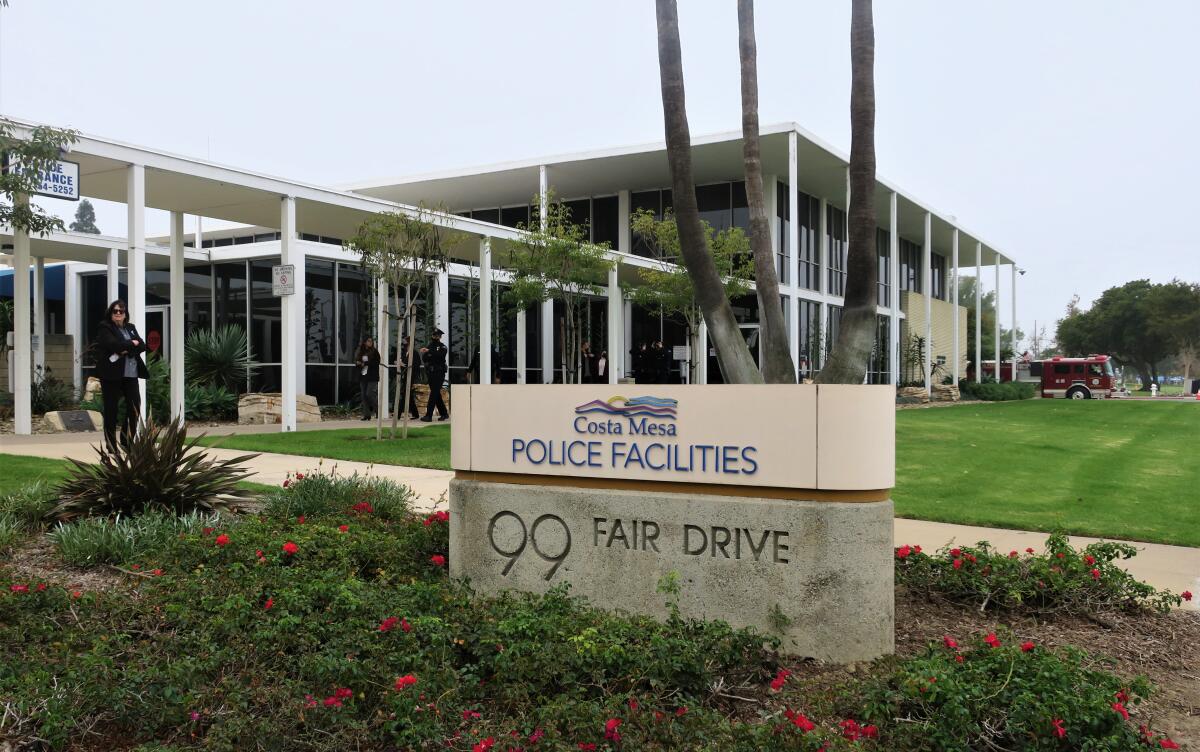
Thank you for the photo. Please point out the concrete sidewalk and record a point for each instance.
(1176, 568)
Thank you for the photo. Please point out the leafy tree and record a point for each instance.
(1140, 324)
(987, 307)
(669, 289)
(85, 218)
(34, 155)
(555, 261)
(733, 354)
(851, 353)
(407, 252)
(777, 367)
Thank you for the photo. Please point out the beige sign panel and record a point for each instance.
(738, 435)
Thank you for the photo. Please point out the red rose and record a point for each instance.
(388, 624)
(344, 528)
(290, 548)
(958, 563)
(484, 745)
(1029, 550)
(470, 715)
(332, 702)
(1013, 554)
(438, 560)
(903, 552)
(1165, 743)
(19, 588)
(300, 520)
(286, 483)
(949, 642)
(958, 659)
(870, 732)
(1186, 595)
(1095, 574)
(1090, 559)
(1120, 709)
(1027, 646)
(343, 693)
(802, 723)
(1059, 731)
(956, 552)
(992, 640)
(299, 476)
(405, 681)
(916, 549)
(222, 540)
(536, 736)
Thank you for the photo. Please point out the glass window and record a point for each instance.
(714, 202)
(319, 314)
(464, 327)
(605, 227)
(580, 212)
(230, 293)
(514, 216)
(355, 310)
(487, 215)
(783, 221)
(265, 331)
(741, 206)
(197, 296)
(937, 272)
(651, 201)
(1061, 368)
(811, 341)
(883, 253)
(320, 382)
(810, 250)
(837, 251)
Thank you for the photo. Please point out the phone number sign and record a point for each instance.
(59, 179)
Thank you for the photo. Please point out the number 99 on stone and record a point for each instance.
(548, 537)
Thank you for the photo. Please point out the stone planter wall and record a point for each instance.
(266, 408)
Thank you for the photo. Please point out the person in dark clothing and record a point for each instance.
(587, 364)
(402, 371)
(659, 362)
(367, 359)
(641, 365)
(119, 365)
(433, 357)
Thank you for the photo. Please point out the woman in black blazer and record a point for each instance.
(119, 365)
(366, 360)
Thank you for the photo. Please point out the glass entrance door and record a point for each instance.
(157, 327)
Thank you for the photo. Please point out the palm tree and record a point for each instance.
(777, 365)
(733, 355)
(847, 363)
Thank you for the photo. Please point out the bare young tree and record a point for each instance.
(777, 365)
(851, 353)
(733, 355)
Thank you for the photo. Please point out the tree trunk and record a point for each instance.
(383, 340)
(732, 352)
(777, 365)
(399, 354)
(851, 354)
(412, 335)
(693, 354)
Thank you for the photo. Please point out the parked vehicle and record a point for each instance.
(1071, 378)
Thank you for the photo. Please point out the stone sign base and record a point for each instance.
(267, 407)
(818, 574)
(73, 420)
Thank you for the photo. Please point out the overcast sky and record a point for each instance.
(1063, 132)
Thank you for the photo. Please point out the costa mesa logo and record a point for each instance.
(654, 407)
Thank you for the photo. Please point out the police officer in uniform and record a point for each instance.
(433, 358)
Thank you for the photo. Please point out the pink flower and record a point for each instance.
(469, 715)
(484, 745)
(633, 704)
(1027, 647)
(536, 736)
(610, 729)
(310, 701)
(950, 642)
(1059, 731)
(681, 712)
(405, 681)
(290, 548)
(222, 540)
(194, 715)
(332, 702)
(269, 604)
(343, 693)
(19, 588)
(992, 640)
(438, 560)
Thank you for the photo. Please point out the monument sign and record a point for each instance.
(771, 503)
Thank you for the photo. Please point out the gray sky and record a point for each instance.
(1063, 132)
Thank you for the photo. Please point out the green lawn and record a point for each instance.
(20, 471)
(428, 446)
(1107, 468)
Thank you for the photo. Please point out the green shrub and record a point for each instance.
(209, 402)
(11, 530)
(93, 540)
(48, 393)
(219, 357)
(28, 506)
(998, 694)
(1061, 580)
(158, 388)
(160, 469)
(990, 391)
(321, 494)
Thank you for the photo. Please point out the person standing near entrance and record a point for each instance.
(402, 380)
(367, 360)
(119, 365)
(433, 357)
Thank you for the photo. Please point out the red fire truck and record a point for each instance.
(1072, 378)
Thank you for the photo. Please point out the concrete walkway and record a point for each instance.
(1176, 568)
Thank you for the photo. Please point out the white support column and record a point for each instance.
(794, 221)
(999, 366)
(626, 338)
(135, 258)
(442, 303)
(894, 280)
(702, 340)
(615, 306)
(383, 344)
(771, 200)
(543, 194)
(39, 317)
(291, 315)
(624, 234)
(547, 344)
(71, 325)
(22, 377)
(927, 288)
(978, 310)
(113, 280)
(954, 369)
(823, 284)
(521, 345)
(1014, 318)
(176, 317)
(485, 310)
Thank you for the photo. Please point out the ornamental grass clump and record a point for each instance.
(1060, 580)
(27, 506)
(159, 469)
(325, 494)
(97, 540)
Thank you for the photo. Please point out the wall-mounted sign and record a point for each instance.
(283, 280)
(60, 178)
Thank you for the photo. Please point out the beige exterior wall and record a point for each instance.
(943, 313)
(60, 360)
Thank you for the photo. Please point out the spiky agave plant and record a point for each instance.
(158, 469)
(220, 356)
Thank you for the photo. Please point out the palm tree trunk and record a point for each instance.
(777, 365)
(851, 354)
(734, 357)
